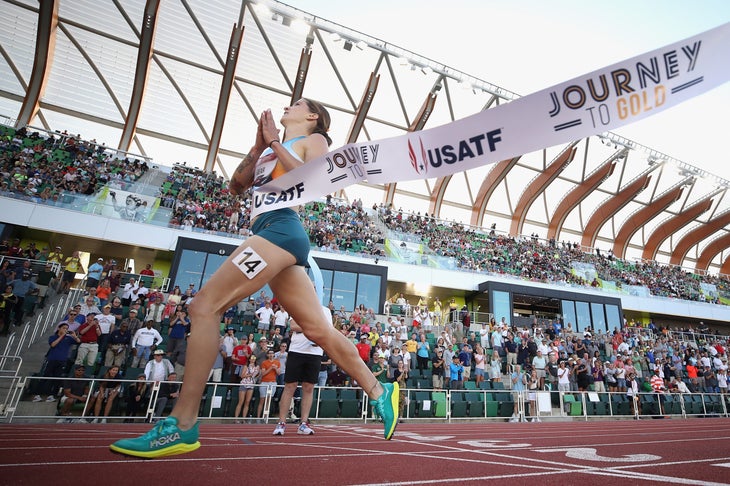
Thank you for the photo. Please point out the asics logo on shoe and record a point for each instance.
(164, 440)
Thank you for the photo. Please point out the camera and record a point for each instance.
(113, 194)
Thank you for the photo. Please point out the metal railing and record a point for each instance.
(351, 404)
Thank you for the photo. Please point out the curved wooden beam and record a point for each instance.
(695, 236)
(45, 44)
(671, 226)
(363, 108)
(490, 183)
(229, 74)
(574, 197)
(725, 267)
(637, 220)
(538, 185)
(144, 56)
(418, 123)
(608, 209)
(437, 195)
(710, 251)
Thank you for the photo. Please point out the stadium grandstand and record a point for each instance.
(118, 134)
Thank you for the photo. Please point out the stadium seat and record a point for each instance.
(476, 404)
(349, 403)
(439, 402)
(328, 403)
(459, 406)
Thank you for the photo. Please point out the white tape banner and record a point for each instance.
(588, 105)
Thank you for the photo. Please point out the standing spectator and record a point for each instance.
(239, 358)
(147, 270)
(412, 349)
(437, 369)
(173, 301)
(89, 333)
(249, 376)
(55, 256)
(380, 369)
(130, 288)
(456, 374)
(216, 373)
(103, 292)
(60, 345)
(106, 323)
(265, 316)
(7, 304)
(657, 385)
(142, 343)
(539, 363)
(495, 367)
(230, 341)
(269, 371)
(518, 387)
(155, 306)
(71, 266)
(281, 319)
(22, 289)
(532, 385)
(423, 353)
(88, 305)
(324, 366)
(44, 280)
(176, 334)
(133, 322)
(304, 365)
(117, 311)
(563, 377)
(93, 276)
(465, 356)
(393, 359)
(363, 348)
(281, 355)
(117, 346)
(479, 364)
(632, 391)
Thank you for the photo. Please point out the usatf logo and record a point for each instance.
(627, 91)
(164, 440)
(468, 148)
(419, 163)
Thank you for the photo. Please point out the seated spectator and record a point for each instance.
(109, 389)
(137, 398)
(75, 390)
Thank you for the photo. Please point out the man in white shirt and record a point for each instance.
(264, 315)
(142, 342)
(484, 336)
(106, 323)
(281, 320)
(127, 293)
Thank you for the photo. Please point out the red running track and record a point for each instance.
(695, 451)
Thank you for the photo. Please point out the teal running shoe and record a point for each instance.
(387, 408)
(165, 439)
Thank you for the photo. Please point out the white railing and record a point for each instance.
(351, 404)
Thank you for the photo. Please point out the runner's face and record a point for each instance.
(299, 110)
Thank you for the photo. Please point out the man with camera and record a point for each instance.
(60, 345)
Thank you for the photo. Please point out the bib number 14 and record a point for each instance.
(249, 262)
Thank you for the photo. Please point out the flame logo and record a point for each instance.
(421, 167)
